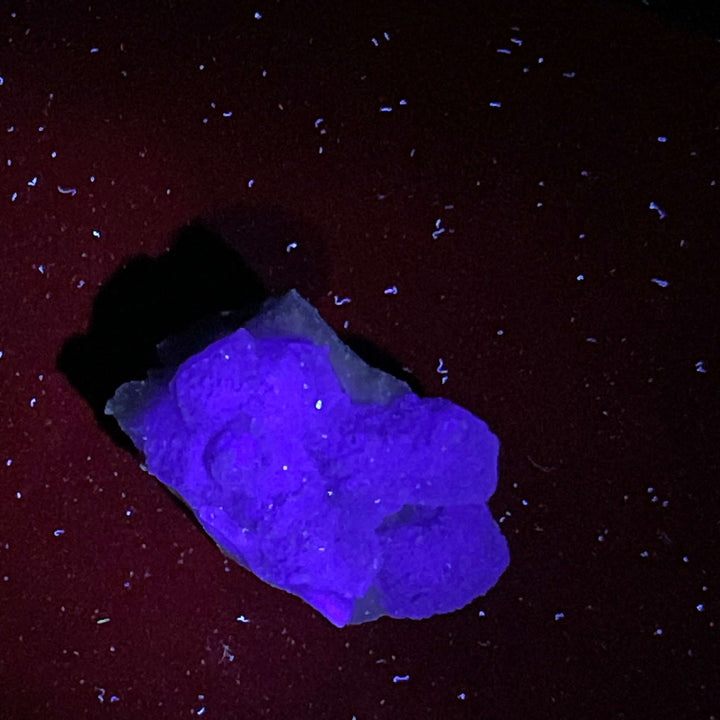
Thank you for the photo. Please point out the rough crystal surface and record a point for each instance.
(320, 474)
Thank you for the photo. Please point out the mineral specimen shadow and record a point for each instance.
(150, 299)
(215, 276)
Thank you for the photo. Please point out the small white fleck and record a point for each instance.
(318, 405)
(700, 607)
(66, 191)
(342, 301)
(403, 102)
(227, 113)
(258, 16)
(58, 532)
(658, 631)
(386, 108)
(102, 621)
(440, 368)
(699, 366)
(318, 121)
(391, 290)
(374, 41)
(495, 104)
(559, 616)
(201, 711)
(33, 182)
(251, 182)
(291, 246)
(661, 283)
(461, 696)
(80, 284)
(503, 51)
(401, 678)
(94, 50)
(655, 206)
(580, 278)
(33, 401)
(517, 41)
(662, 138)
(96, 233)
(569, 74)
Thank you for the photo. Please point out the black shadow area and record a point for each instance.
(213, 279)
(149, 299)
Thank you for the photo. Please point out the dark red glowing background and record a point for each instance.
(527, 191)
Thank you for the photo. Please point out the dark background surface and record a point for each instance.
(579, 321)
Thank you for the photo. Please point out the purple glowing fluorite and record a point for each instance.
(323, 476)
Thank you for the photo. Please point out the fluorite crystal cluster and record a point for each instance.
(324, 476)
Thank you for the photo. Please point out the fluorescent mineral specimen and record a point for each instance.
(322, 475)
